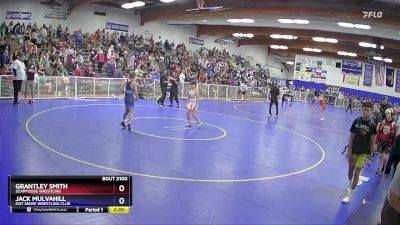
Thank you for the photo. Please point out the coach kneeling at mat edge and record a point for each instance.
(19, 76)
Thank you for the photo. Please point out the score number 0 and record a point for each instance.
(121, 200)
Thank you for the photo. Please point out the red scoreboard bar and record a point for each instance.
(75, 194)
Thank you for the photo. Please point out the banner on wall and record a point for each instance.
(379, 75)
(117, 27)
(11, 15)
(368, 73)
(389, 77)
(310, 69)
(351, 67)
(351, 79)
(397, 89)
(318, 75)
(196, 41)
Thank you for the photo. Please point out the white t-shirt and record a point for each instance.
(182, 77)
(20, 69)
(243, 87)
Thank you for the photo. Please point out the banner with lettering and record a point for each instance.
(117, 27)
(397, 89)
(368, 73)
(389, 77)
(196, 41)
(11, 15)
(379, 75)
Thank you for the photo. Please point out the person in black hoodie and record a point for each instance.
(164, 88)
(274, 93)
(174, 90)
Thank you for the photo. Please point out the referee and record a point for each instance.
(19, 75)
(164, 88)
(273, 95)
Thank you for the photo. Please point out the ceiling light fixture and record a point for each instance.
(286, 37)
(312, 50)
(343, 53)
(240, 20)
(167, 1)
(388, 60)
(367, 45)
(133, 5)
(378, 58)
(241, 35)
(295, 21)
(290, 63)
(351, 25)
(279, 47)
(328, 40)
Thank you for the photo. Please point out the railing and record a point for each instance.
(90, 87)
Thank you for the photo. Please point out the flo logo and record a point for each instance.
(373, 14)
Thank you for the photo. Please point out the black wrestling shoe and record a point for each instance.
(123, 125)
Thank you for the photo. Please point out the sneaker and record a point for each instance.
(170, 105)
(189, 125)
(123, 125)
(16, 103)
(377, 172)
(322, 119)
(129, 127)
(347, 199)
(177, 106)
(157, 103)
(33, 100)
(270, 115)
(199, 124)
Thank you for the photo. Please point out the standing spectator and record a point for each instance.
(350, 104)
(30, 82)
(19, 76)
(387, 132)
(384, 105)
(243, 89)
(274, 93)
(361, 145)
(101, 59)
(78, 38)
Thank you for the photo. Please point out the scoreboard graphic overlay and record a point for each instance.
(74, 194)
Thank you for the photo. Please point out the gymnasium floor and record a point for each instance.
(240, 167)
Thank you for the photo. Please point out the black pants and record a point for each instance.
(393, 160)
(163, 95)
(273, 101)
(389, 216)
(349, 107)
(174, 95)
(17, 88)
(99, 66)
